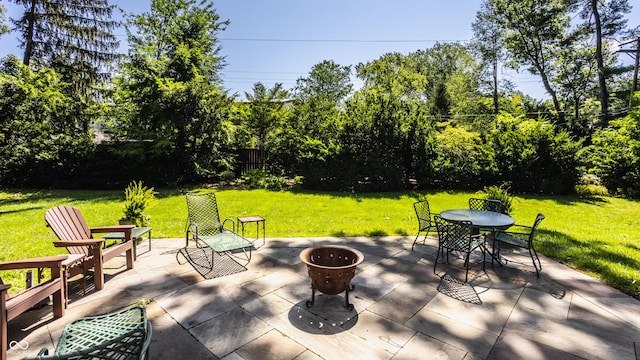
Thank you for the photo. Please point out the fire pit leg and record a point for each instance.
(348, 305)
(313, 297)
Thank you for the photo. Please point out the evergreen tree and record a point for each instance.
(74, 37)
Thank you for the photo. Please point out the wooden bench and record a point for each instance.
(12, 306)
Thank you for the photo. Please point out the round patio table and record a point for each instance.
(479, 218)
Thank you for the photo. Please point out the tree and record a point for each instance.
(575, 77)
(487, 43)
(463, 159)
(38, 148)
(534, 156)
(319, 98)
(168, 90)
(4, 28)
(265, 106)
(446, 76)
(72, 36)
(394, 74)
(531, 32)
(327, 81)
(604, 19)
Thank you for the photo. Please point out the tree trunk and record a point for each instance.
(554, 96)
(604, 96)
(496, 104)
(28, 39)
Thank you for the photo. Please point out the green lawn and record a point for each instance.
(597, 236)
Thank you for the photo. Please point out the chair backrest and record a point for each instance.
(537, 222)
(454, 235)
(485, 204)
(68, 224)
(203, 213)
(423, 213)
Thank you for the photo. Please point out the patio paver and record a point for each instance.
(261, 313)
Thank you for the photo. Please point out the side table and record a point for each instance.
(242, 220)
(136, 233)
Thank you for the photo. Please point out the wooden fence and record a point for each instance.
(249, 159)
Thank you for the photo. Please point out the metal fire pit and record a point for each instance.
(331, 269)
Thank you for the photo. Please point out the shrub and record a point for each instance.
(260, 179)
(137, 198)
(534, 156)
(614, 155)
(500, 193)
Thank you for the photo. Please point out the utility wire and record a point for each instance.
(342, 40)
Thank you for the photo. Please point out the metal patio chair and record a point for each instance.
(485, 204)
(425, 222)
(519, 236)
(207, 230)
(122, 335)
(457, 236)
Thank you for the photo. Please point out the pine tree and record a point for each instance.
(74, 37)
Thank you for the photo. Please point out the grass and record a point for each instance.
(597, 236)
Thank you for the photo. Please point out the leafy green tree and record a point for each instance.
(373, 151)
(614, 155)
(395, 75)
(37, 146)
(265, 108)
(327, 81)
(463, 160)
(604, 19)
(445, 76)
(168, 90)
(319, 99)
(575, 78)
(531, 31)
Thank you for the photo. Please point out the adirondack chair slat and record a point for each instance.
(70, 226)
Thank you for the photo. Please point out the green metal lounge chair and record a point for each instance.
(122, 335)
(205, 228)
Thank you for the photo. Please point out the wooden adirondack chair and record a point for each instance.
(70, 227)
(10, 307)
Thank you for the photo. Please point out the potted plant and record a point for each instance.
(137, 198)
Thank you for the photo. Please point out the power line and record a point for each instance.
(342, 40)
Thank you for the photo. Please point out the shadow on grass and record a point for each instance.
(27, 196)
(596, 257)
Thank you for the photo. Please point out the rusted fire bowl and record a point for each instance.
(331, 269)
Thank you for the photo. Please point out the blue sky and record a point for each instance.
(365, 29)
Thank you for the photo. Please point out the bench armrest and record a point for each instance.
(41, 262)
(83, 242)
(111, 228)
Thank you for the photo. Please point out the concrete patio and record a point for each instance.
(402, 309)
